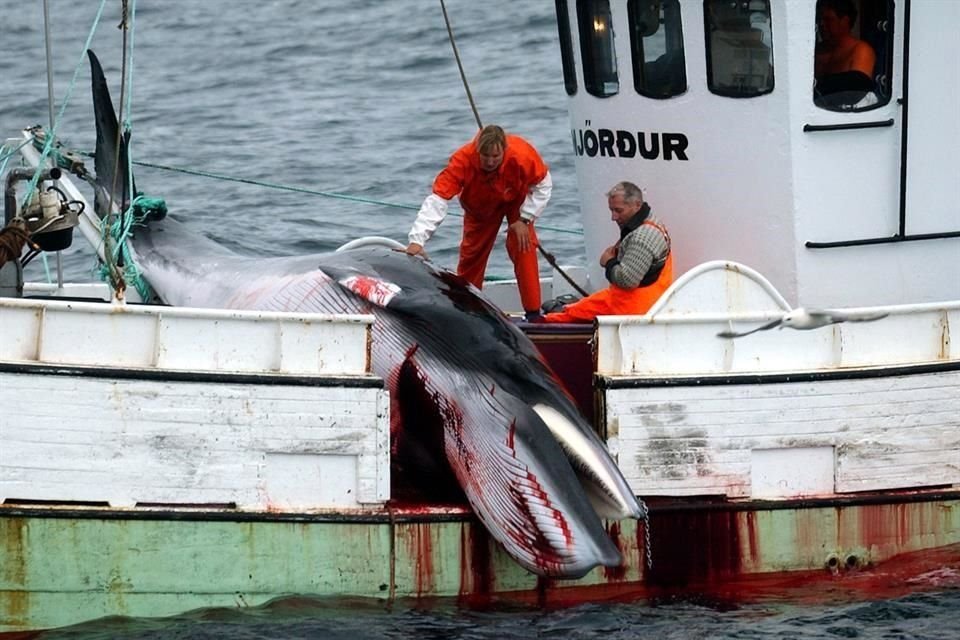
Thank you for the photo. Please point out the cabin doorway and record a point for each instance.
(931, 188)
(855, 130)
(883, 162)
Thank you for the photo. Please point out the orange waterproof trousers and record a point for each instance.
(614, 301)
(479, 235)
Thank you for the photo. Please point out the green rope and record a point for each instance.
(4, 158)
(46, 267)
(66, 99)
(119, 230)
(6, 155)
(313, 192)
(272, 185)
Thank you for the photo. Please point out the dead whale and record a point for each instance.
(532, 469)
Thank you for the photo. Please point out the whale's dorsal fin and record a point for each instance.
(112, 175)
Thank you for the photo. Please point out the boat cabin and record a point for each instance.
(752, 145)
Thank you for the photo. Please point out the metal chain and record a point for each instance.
(646, 537)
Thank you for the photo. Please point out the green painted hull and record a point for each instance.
(60, 567)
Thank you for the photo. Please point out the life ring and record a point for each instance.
(371, 241)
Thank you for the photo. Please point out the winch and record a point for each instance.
(49, 214)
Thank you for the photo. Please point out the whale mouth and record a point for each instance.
(609, 494)
(524, 489)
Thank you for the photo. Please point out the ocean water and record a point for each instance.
(355, 97)
(919, 617)
(360, 98)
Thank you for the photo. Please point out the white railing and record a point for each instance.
(177, 338)
(679, 334)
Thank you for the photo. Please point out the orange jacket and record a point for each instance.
(614, 301)
(499, 194)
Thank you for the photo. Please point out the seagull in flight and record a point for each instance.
(801, 318)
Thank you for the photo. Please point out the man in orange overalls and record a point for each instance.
(497, 177)
(639, 266)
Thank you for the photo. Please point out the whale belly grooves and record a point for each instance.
(456, 368)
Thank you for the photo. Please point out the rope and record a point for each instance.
(6, 155)
(313, 192)
(269, 185)
(466, 85)
(13, 238)
(120, 267)
(553, 263)
(456, 54)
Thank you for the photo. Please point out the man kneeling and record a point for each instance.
(639, 266)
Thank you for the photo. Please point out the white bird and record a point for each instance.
(801, 318)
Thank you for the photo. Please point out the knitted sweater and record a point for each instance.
(641, 253)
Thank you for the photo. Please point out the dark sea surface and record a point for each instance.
(360, 98)
(355, 97)
(925, 616)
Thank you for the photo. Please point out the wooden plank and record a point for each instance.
(887, 433)
(128, 441)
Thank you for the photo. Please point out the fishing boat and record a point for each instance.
(789, 410)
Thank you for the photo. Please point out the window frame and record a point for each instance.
(595, 79)
(723, 90)
(638, 60)
(570, 84)
(883, 74)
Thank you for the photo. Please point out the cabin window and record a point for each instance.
(739, 39)
(566, 48)
(853, 61)
(596, 48)
(656, 45)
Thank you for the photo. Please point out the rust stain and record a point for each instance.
(886, 527)
(944, 336)
(368, 355)
(815, 533)
(544, 587)
(14, 602)
(891, 529)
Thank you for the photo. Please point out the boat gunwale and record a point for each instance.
(427, 513)
(636, 381)
(361, 381)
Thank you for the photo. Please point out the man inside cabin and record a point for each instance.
(843, 62)
(639, 266)
(498, 177)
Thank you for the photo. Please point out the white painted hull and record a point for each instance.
(782, 413)
(124, 405)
